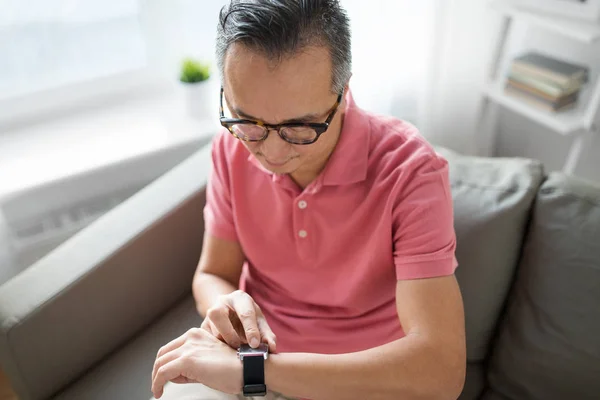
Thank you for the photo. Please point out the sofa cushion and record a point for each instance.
(127, 373)
(549, 343)
(492, 202)
(475, 381)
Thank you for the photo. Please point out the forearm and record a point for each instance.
(207, 288)
(409, 368)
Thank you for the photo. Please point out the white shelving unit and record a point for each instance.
(580, 122)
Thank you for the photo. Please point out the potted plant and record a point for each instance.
(194, 80)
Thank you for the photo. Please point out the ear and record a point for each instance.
(347, 87)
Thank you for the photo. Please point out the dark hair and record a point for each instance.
(281, 28)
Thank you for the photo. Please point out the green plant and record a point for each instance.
(194, 71)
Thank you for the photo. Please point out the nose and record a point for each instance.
(274, 147)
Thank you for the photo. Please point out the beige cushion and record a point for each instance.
(549, 343)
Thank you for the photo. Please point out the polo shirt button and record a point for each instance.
(302, 233)
(302, 204)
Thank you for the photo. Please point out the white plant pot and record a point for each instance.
(200, 100)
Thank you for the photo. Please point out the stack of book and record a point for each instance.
(545, 82)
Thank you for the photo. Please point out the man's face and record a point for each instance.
(297, 88)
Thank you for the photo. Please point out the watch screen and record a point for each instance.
(261, 349)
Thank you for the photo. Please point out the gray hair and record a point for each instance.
(281, 28)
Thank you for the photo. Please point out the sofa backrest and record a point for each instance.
(492, 204)
(100, 288)
(548, 346)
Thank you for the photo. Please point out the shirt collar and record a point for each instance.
(349, 159)
(348, 162)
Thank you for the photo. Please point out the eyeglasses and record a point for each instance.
(293, 132)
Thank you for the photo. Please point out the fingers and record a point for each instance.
(170, 371)
(237, 319)
(162, 360)
(169, 347)
(181, 379)
(219, 321)
(267, 334)
(207, 326)
(246, 312)
(210, 328)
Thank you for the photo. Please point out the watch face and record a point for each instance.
(246, 351)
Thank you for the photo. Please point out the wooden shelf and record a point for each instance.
(577, 121)
(564, 122)
(584, 31)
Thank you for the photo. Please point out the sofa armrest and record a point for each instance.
(98, 289)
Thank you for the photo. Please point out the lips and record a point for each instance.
(277, 164)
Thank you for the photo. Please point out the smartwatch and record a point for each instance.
(253, 361)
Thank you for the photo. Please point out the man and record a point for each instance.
(329, 230)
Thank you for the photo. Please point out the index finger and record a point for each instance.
(244, 309)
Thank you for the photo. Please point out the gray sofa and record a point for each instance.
(86, 321)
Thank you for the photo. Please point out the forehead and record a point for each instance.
(278, 90)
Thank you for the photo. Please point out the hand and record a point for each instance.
(197, 357)
(235, 319)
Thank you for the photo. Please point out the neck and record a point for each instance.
(304, 177)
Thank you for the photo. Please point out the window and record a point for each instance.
(45, 44)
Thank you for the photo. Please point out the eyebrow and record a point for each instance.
(304, 118)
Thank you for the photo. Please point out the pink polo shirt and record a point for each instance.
(323, 262)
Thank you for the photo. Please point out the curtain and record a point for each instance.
(392, 47)
(424, 61)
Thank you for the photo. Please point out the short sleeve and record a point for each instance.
(423, 224)
(218, 211)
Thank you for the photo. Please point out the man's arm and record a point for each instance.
(218, 272)
(428, 363)
(230, 315)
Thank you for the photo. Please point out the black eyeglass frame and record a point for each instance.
(319, 127)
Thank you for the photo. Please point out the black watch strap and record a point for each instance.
(254, 376)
